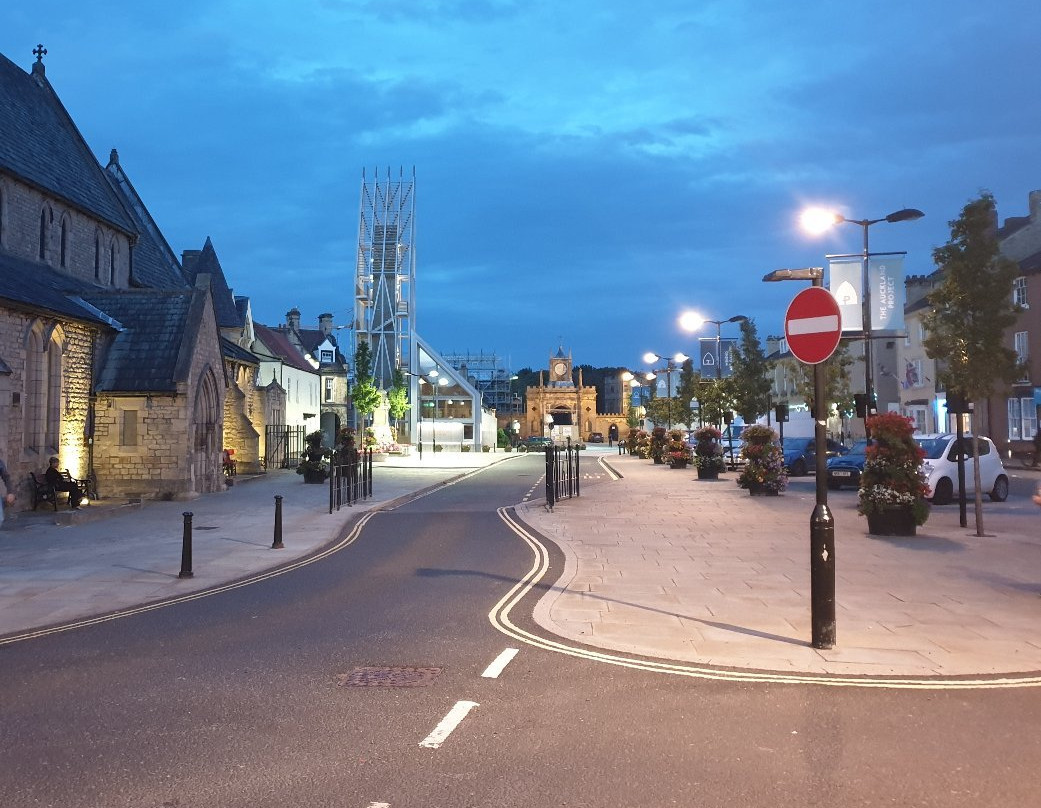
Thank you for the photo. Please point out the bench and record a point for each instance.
(42, 491)
(88, 487)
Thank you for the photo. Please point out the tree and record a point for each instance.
(365, 395)
(397, 398)
(837, 388)
(971, 309)
(750, 379)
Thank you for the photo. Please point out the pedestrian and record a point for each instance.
(59, 483)
(1037, 448)
(1037, 495)
(8, 487)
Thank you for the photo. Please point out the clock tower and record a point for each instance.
(560, 370)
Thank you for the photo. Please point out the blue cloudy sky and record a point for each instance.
(585, 170)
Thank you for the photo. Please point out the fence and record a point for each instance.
(283, 446)
(350, 482)
(561, 473)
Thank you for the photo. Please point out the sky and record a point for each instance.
(585, 171)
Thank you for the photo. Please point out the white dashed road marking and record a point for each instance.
(501, 661)
(448, 723)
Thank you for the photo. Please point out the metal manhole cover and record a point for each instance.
(395, 676)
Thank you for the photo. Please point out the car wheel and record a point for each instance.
(1000, 490)
(943, 494)
(799, 468)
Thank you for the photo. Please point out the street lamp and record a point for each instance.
(817, 220)
(671, 364)
(692, 321)
(822, 525)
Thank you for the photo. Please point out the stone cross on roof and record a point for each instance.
(39, 52)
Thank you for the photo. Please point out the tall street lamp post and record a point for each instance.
(671, 364)
(822, 525)
(692, 321)
(817, 220)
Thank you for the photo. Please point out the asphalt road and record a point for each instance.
(257, 697)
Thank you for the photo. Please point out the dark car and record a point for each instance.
(536, 443)
(800, 454)
(845, 470)
(596, 437)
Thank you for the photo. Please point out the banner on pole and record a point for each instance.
(887, 293)
(707, 352)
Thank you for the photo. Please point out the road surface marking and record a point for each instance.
(448, 723)
(501, 661)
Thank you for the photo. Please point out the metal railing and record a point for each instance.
(350, 481)
(561, 473)
(283, 446)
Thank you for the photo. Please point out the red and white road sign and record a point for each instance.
(812, 325)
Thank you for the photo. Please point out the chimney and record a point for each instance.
(325, 323)
(188, 259)
(293, 319)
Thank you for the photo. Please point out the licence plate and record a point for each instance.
(841, 473)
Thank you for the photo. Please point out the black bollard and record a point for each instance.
(186, 548)
(277, 543)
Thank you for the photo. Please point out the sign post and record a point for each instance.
(812, 326)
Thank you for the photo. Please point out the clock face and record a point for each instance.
(560, 368)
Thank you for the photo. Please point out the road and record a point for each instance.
(258, 697)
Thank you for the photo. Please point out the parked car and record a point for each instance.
(596, 437)
(535, 443)
(800, 454)
(941, 467)
(845, 469)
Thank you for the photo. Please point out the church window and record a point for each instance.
(44, 227)
(63, 250)
(3, 217)
(97, 256)
(112, 255)
(128, 429)
(43, 381)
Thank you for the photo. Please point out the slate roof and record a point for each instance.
(40, 144)
(154, 264)
(223, 302)
(278, 344)
(143, 356)
(311, 338)
(237, 352)
(33, 285)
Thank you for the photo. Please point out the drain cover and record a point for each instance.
(396, 676)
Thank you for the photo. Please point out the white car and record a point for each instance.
(941, 467)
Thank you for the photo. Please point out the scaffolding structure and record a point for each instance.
(486, 372)
(384, 286)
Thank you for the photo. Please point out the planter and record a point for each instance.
(314, 477)
(658, 461)
(708, 473)
(678, 464)
(758, 490)
(892, 522)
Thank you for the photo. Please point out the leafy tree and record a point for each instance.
(664, 410)
(837, 388)
(750, 377)
(365, 395)
(971, 309)
(397, 397)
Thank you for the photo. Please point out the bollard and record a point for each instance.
(277, 543)
(186, 548)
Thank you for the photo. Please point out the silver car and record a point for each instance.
(941, 467)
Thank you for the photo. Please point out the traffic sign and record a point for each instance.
(812, 325)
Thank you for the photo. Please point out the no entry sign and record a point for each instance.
(812, 325)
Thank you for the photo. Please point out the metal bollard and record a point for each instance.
(186, 548)
(277, 543)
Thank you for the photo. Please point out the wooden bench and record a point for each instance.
(42, 491)
(87, 487)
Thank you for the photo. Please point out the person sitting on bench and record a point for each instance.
(59, 483)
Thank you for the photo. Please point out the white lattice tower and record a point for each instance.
(384, 285)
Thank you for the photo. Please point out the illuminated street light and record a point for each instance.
(671, 364)
(818, 220)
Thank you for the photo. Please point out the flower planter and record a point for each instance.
(758, 490)
(678, 464)
(892, 522)
(711, 473)
(314, 477)
(658, 461)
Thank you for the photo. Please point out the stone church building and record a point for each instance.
(111, 356)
